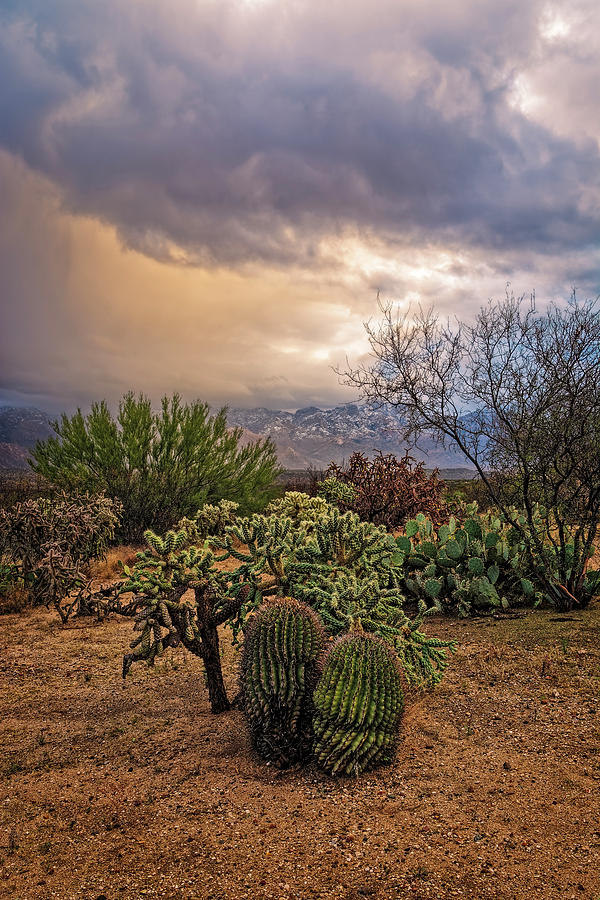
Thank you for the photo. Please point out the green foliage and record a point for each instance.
(168, 568)
(386, 491)
(281, 645)
(358, 704)
(554, 558)
(530, 381)
(212, 519)
(471, 566)
(9, 577)
(481, 563)
(461, 491)
(161, 579)
(345, 570)
(342, 568)
(337, 492)
(159, 465)
(46, 542)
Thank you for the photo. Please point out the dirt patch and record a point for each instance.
(112, 789)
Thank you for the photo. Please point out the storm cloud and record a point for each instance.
(434, 151)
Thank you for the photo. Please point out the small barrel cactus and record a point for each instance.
(358, 702)
(282, 644)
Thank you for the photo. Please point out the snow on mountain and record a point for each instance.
(308, 437)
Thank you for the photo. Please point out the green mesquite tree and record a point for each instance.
(159, 465)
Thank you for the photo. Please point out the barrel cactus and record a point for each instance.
(358, 702)
(282, 644)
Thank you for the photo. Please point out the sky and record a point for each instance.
(206, 197)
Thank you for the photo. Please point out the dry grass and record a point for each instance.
(107, 568)
(14, 600)
(133, 789)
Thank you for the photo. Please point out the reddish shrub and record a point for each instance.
(388, 490)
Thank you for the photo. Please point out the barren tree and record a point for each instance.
(518, 392)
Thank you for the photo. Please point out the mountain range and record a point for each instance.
(315, 437)
(20, 429)
(309, 437)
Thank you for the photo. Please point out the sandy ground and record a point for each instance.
(113, 789)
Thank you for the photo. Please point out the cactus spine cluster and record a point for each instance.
(282, 644)
(358, 703)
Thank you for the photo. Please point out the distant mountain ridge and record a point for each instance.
(20, 429)
(308, 437)
(315, 437)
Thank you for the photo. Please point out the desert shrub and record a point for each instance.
(388, 490)
(552, 555)
(13, 595)
(304, 481)
(13, 599)
(15, 487)
(159, 465)
(45, 544)
(464, 491)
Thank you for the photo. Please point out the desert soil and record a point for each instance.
(127, 790)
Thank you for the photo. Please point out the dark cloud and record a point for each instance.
(206, 196)
(247, 132)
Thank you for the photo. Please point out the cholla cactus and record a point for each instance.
(48, 542)
(213, 519)
(344, 569)
(298, 507)
(163, 574)
(336, 492)
(358, 704)
(281, 646)
(273, 544)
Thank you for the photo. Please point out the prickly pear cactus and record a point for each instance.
(358, 703)
(278, 670)
(471, 566)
